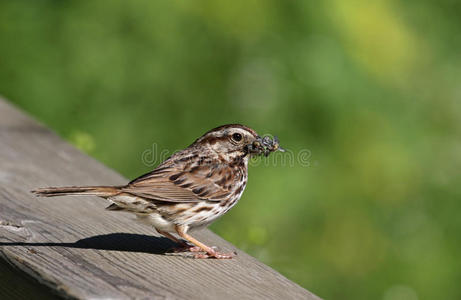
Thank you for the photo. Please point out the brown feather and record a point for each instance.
(101, 191)
(173, 181)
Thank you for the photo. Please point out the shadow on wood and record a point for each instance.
(126, 242)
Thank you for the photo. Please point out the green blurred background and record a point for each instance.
(371, 88)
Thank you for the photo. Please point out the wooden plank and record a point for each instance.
(74, 246)
(15, 284)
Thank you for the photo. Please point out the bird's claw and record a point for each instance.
(215, 254)
(185, 248)
(211, 252)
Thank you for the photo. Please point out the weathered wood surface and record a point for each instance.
(74, 246)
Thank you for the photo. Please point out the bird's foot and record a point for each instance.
(215, 254)
(198, 252)
(184, 247)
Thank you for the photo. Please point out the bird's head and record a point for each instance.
(231, 141)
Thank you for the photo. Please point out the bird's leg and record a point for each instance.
(210, 252)
(170, 236)
(183, 245)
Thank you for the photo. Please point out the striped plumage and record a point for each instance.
(189, 190)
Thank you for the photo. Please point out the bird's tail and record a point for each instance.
(101, 191)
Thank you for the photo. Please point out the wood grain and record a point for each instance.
(74, 246)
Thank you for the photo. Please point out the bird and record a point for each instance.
(189, 190)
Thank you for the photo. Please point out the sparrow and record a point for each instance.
(190, 189)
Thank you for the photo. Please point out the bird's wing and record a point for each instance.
(171, 183)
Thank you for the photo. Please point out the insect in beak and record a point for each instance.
(264, 146)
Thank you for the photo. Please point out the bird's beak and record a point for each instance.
(255, 147)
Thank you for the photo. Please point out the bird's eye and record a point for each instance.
(237, 137)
